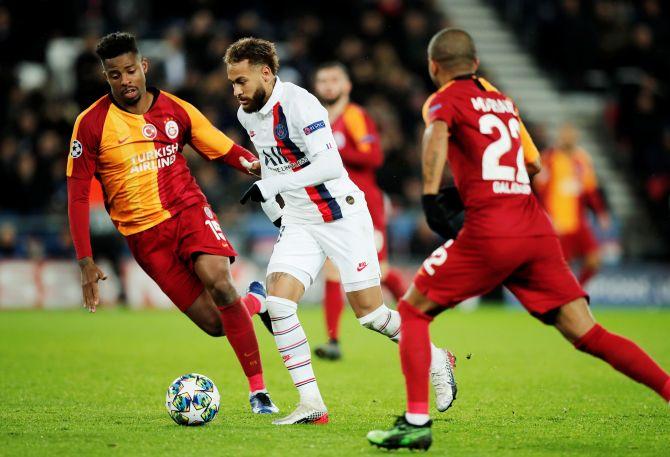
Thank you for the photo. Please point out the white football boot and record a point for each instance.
(314, 412)
(444, 382)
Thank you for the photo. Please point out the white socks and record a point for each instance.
(417, 419)
(293, 347)
(387, 322)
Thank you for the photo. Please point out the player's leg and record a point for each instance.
(412, 429)
(350, 244)
(454, 272)
(549, 290)
(214, 273)
(333, 305)
(295, 262)
(576, 323)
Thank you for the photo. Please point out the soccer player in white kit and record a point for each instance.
(324, 215)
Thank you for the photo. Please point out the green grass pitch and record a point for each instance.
(79, 384)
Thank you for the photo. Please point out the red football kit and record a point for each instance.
(358, 142)
(149, 192)
(506, 238)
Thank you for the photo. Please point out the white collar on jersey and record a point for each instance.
(274, 97)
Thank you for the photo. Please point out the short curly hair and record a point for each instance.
(115, 44)
(256, 50)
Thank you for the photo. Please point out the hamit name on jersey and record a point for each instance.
(486, 105)
(155, 159)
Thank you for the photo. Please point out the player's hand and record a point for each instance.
(253, 168)
(90, 275)
(253, 193)
(441, 209)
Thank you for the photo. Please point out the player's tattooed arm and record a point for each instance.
(434, 156)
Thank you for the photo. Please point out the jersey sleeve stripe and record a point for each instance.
(328, 207)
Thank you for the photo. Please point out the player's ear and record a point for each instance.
(145, 65)
(267, 73)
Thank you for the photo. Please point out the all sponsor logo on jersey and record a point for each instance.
(171, 129)
(314, 127)
(77, 149)
(280, 131)
(208, 212)
(275, 160)
(149, 131)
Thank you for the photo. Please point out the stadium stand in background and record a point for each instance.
(50, 73)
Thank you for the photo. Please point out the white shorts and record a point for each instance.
(301, 250)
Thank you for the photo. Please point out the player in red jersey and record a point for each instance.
(132, 141)
(358, 142)
(506, 238)
(567, 187)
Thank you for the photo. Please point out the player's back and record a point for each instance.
(488, 151)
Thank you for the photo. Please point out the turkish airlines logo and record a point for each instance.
(149, 131)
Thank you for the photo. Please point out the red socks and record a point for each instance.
(626, 357)
(415, 356)
(240, 332)
(334, 305)
(395, 283)
(252, 304)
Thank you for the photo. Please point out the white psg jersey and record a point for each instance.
(288, 132)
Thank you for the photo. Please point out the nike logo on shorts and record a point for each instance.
(361, 266)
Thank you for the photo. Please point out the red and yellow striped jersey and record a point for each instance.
(565, 186)
(138, 158)
(359, 145)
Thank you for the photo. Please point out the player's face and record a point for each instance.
(126, 75)
(568, 136)
(331, 84)
(250, 84)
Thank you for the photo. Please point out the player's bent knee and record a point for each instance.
(281, 284)
(223, 292)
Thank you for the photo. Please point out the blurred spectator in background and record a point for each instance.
(567, 187)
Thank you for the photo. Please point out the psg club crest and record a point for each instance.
(171, 129)
(76, 149)
(280, 131)
(149, 131)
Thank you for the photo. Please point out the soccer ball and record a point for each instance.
(192, 399)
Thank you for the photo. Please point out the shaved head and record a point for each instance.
(452, 49)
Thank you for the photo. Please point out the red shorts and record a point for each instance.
(532, 268)
(578, 244)
(165, 252)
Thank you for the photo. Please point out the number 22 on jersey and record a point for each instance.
(506, 179)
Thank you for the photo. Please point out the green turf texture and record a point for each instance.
(75, 383)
